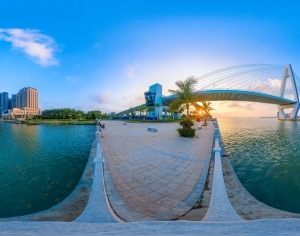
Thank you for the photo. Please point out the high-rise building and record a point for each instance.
(27, 97)
(3, 102)
(9, 104)
(23, 104)
(13, 101)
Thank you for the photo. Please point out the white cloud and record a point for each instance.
(271, 86)
(234, 104)
(72, 79)
(130, 70)
(102, 98)
(38, 47)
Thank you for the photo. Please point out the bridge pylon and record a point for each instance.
(288, 73)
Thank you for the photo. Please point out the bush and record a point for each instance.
(186, 132)
(187, 123)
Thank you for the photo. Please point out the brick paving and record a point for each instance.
(154, 175)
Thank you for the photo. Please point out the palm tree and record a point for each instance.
(141, 109)
(206, 107)
(186, 96)
(157, 105)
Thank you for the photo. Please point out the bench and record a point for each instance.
(152, 129)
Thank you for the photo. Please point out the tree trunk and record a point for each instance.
(187, 110)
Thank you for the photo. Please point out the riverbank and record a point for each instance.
(51, 121)
(59, 122)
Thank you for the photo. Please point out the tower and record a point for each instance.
(288, 73)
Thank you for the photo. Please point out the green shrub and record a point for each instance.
(186, 132)
(187, 123)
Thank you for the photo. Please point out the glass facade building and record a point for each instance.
(3, 102)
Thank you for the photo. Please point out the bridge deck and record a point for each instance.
(236, 95)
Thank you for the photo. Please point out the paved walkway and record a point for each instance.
(154, 175)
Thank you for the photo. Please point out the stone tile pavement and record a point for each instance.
(154, 175)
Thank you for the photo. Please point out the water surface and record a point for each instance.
(40, 165)
(265, 154)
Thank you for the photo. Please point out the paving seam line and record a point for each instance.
(171, 155)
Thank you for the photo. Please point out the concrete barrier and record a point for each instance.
(98, 209)
(220, 209)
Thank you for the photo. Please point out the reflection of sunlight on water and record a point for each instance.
(40, 165)
(265, 154)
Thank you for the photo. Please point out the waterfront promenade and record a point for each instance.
(154, 175)
(160, 156)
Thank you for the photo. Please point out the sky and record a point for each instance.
(103, 55)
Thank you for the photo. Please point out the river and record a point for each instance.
(40, 165)
(265, 154)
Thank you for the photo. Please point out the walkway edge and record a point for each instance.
(220, 209)
(98, 209)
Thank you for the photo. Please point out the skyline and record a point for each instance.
(104, 56)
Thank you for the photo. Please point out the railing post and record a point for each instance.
(98, 158)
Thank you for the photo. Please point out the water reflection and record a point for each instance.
(40, 165)
(265, 154)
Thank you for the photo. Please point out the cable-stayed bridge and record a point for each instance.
(272, 84)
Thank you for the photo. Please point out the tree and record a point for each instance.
(185, 95)
(157, 105)
(131, 112)
(206, 107)
(141, 109)
(93, 115)
(112, 115)
(197, 112)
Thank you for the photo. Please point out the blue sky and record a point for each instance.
(104, 54)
